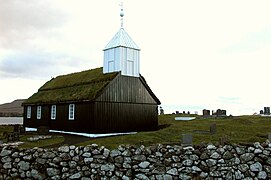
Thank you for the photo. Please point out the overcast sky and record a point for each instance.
(194, 54)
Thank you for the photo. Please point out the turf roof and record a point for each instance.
(81, 86)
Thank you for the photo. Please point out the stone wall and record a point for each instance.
(127, 162)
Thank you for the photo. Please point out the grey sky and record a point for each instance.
(194, 54)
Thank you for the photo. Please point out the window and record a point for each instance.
(71, 111)
(53, 112)
(39, 112)
(28, 112)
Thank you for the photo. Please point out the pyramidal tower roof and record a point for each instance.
(121, 39)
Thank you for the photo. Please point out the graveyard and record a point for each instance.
(240, 130)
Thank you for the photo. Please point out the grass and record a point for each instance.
(243, 129)
(56, 139)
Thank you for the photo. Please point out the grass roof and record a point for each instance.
(85, 85)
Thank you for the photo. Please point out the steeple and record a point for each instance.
(121, 54)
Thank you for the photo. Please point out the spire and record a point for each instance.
(121, 14)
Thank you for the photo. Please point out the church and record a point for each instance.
(110, 99)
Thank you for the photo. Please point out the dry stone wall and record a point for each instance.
(128, 162)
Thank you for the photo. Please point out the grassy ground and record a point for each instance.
(244, 129)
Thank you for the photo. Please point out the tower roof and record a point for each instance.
(121, 39)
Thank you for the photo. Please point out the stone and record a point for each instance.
(246, 157)
(238, 175)
(262, 175)
(194, 157)
(88, 160)
(119, 159)
(108, 167)
(213, 128)
(72, 164)
(204, 156)
(227, 155)
(142, 176)
(115, 153)
(243, 167)
(36, 175)
(86, 154)
(211, 147)
(7, 165)
(257, 151)
(256, 167)
(211, 162)
(52, 172)
(48, 155)
(24, 165)
(173, 171)
(144, 164)
(196, 169)
(187, 162)
(184, 177)
(187, 139)
(76, 175)
(215, 174)
(106, 152)
(139, 158)
(64, 149)
(240, 150)
(5, 152)
(5, 159)
(215, 155)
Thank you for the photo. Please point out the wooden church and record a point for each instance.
(115, 98)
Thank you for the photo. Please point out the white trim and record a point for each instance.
(71, 111)
(28, 112)
(38, 112)
(53, 112)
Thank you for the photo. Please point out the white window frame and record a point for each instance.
(71, 111)
(28, 114)
(38, 112)
(53, 112)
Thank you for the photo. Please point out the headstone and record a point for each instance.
(161, 111)
(223, 140)
(187, 139)
(213, 128)
(16, 128)
(269, 136)
(22, 129)
(16, 136)
(10, 137)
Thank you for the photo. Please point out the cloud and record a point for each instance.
(22, 20)
(37, 65)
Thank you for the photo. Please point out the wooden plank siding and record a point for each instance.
(125, 117)
(126, 89)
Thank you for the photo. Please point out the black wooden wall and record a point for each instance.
(124, 106)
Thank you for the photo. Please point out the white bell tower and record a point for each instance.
(121, 54)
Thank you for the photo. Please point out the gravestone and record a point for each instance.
(16, 136)
(16, 128)
(213, 128)
(10, 137)
(187, 139)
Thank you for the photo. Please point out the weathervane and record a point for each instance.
(121, 14)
